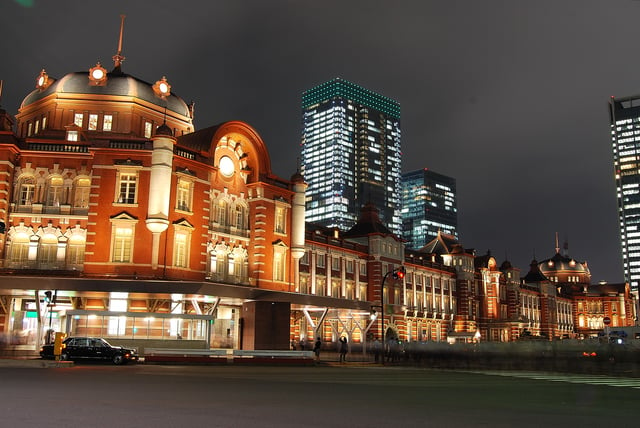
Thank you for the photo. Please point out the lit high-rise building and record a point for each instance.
(428, 207)
(625, 135)
(350, 154)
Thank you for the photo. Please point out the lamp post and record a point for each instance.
(397, 273)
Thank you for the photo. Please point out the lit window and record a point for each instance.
(148, 128)
(48, 250)
(54, 192)
(335, 263)
(44, 122)
(127, 187)
(19, 249)
(180, 249)
(241, 217)
(117, 303)
(75, 250)
(363, 269)
(37, 127)
(122, 244)
(72, 135)
(183, 195)
(280, 226)
(93, 122)
(278, 263)
(82, 187)
(78, 118)
(29, 129)
(221, 212)
(107, 122)
(26, 189)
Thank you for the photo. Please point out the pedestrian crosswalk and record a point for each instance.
(621, 382)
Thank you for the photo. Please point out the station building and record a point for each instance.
(119, 219)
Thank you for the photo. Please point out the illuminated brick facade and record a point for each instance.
(119, 219)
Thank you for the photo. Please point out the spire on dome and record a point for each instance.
(118, 58)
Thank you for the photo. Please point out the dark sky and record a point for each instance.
(507, 96)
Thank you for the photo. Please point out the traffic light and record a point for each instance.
(399, 273)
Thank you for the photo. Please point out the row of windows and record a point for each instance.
(336, 262)
(93, 122)
(49, 248)
(53, 191)
(45, 247)
(33, 127)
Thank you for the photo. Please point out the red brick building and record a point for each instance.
(119, 219)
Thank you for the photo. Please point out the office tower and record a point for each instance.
(625, 136)
(428, 207)
(350, 154)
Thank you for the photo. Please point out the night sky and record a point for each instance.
(509, 97)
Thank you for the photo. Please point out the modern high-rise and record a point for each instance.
(625, 136)
(428, 207)
(350, 154)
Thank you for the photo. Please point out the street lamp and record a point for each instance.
(397, 273)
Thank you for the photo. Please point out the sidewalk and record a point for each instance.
(33, 363)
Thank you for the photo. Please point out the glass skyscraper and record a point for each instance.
(428, 206)
(625, 136)
(350, 154)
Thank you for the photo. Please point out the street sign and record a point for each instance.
(606, 320)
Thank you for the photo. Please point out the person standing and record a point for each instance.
(343, 349)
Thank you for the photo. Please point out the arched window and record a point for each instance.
(54, 191)
(241, 217)
(221, 212)
(25, 192)
(81, 191)
(182, 244)
(48, 250)
(19, 250)
(75, 251)
(237, 266)
(279, 262)
(221, 265)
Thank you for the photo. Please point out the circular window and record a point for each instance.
(227, 166)
(97, 74)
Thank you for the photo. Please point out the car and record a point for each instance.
(90, 348)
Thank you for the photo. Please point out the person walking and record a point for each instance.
(316, 348)
(343, 349)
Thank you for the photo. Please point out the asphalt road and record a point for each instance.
(204, 396)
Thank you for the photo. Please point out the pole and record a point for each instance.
(382, 341)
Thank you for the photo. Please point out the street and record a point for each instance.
(102, 395)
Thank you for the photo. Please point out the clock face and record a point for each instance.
(97, 74)
(163, 88)
(227, 167)
(41, 81)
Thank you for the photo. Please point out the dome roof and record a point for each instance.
(117, 84)
(562, 263)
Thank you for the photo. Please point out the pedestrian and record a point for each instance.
(343, 349)
(316, 348)
(376, 350)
